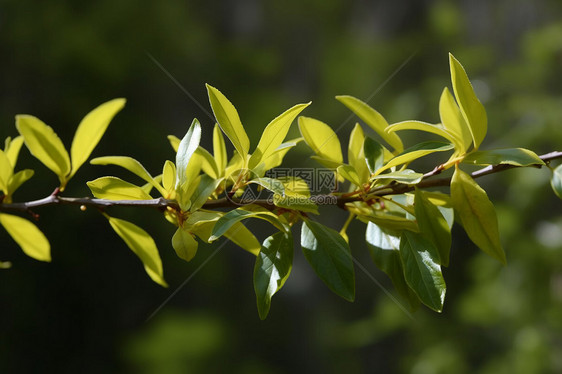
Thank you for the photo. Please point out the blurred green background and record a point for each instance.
(87, 311)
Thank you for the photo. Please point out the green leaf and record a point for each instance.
(28, 236)
(426, 127)
(187, 147)
(321, 138)
(349, 173)
(142, 244)
(384, 246)
(131, 165)
(471, 108)
(174, 142)
(556, 181)
(90, 130)
(387, 220)
(330, 164)
(229, 121)
(113, 188)
(184, 244)
(13, 150)
(433, 226)
(45, 145)
(270, 184)
(372, 118)
(6, 170)
(277, 156)
(421, 269)
(5, 264)
(330, 257)
(242, 237)
(453, 121)
(374, 154)
(272, 268)
(274, 134)
(477, 214)
(207, 161)
(169, 176)
(18, 179)
(219, 148)
(415, 152)
(509, 156)
(299, 203)
(406, 176)
(355, 153)
(204, 189)
(250, 211)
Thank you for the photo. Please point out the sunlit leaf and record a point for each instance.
(272, 268)
(250, 211)
(321, 138)
(131, 165)
(355, 154)
(386, 220)
(187, 147)
(229, 121)
(90, 131)
(28, 236)
(372, 118)
(421, 269)
(219, 148)
(207, 161)
(204, 189)
(477, 214)
(330, 257)
(349, 173)
(270, 184)
(277, 156)
(415, 152)
(424, 126)
(433, 226)
(453, 121)
(6, 170)
(169, 176)
(13, 149)
(184, 244)
(330, 164)
(274, 134)
(45, 145)
(174, 142)
(471, 108)
(18, 179)
(407, 176)
(142, 244)
(384, 249)
(556, 181)
(113, 188)
(509, 156)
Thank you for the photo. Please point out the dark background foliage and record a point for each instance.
(87, 311)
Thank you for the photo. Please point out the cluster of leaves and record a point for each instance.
(408, 230)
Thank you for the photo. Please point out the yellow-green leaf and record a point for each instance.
(90, 130)
(349, 173)
(415, 152)
(433, 226)
(471, 108)
(142, 244)
(219, 148)
(174, 142)
(113, 188)
(187, 147)
(322, 139)
(184, 244)
(424, 126)
(274, 134)
(556, 181)
(508, 156)
(131, 165)
(372, 118)
(6, 170)
(355, 153)
(229, 121)
(13, 149)
(453, 121)
(45, 145)
(477, 214)
(242, 237)
(28, 236)
(18, 179)
(208, 163)
(169, 176)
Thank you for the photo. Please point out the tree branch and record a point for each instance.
(161, 203)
